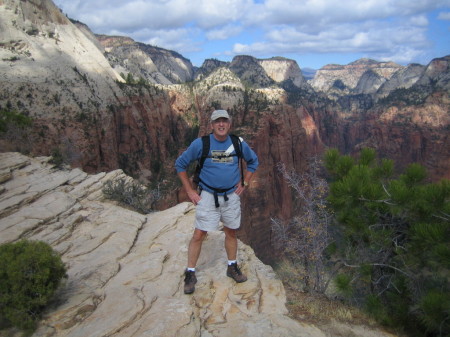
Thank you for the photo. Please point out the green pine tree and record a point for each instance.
(394, 241)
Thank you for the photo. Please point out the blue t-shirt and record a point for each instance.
(220, 173)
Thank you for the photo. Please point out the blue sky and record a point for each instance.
(312, 32)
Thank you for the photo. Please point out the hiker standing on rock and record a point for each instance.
(221, 180)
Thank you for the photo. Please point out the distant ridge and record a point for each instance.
(309, 73)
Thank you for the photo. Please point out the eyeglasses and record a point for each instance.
(221, 120)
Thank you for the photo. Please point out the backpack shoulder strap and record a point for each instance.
(237, 145)
(200, 161)
(205, 150)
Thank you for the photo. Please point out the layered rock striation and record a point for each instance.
(44, 54)
(145, 62)
(361, 76)
(404, 78)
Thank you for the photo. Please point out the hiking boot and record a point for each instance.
(189, 281)
(235, 273)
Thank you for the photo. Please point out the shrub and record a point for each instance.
(132, 193)
(15, 129)
(9, 118)
(33, 31)
(66, 153)
(57, 158)
(30, 272)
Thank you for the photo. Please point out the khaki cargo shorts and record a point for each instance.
(208, 216)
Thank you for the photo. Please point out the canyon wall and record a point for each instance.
(407, 119)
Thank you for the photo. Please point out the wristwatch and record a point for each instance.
(245, 183)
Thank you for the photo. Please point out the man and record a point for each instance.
(221, 186)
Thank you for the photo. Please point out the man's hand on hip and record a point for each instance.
(194, 197)
(240, 189)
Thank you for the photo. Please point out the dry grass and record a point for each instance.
(331, 315)
(316, 308)
(312, 306)
(327, 314)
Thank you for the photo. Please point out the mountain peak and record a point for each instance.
(349, 76)
(364, 61)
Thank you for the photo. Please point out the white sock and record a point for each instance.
(230, 262)
(190, 269)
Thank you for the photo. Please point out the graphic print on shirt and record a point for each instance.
(219, 156)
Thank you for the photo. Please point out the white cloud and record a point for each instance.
(180, 40)
(310, 15)
(369, 37)
(224, 32)
(419, 20)
(338, 11)
(215, 13)
(402, 55)
(386, 28)
(444, 16)
(156, 14)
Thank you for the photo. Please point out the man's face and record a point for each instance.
(221, 127)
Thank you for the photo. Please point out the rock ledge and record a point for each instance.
(125, 269)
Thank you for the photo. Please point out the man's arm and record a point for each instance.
(192, 194)
(251, 159)
(247, 178)
(181, 164)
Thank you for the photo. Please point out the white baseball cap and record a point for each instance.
(219, 114)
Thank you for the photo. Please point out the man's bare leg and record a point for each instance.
(230, 243)
(195, 246)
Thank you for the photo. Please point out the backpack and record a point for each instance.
(237, 144)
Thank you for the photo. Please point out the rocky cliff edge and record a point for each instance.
(125, 269)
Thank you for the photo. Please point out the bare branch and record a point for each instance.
(306, 236)
(381, 265)
(385, 189)
(446, 218)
